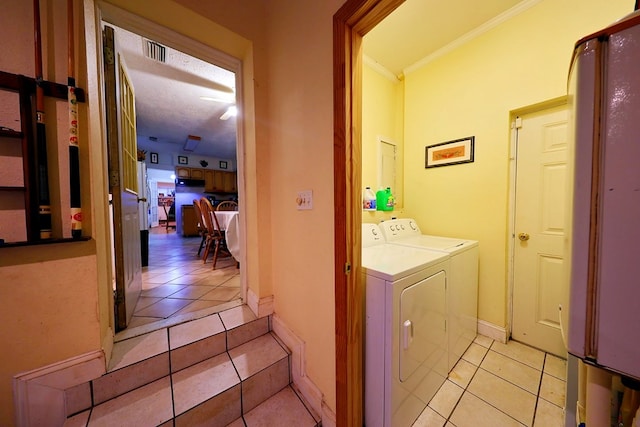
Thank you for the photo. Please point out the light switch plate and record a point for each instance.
(305, 200)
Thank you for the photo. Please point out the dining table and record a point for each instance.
(228, 221)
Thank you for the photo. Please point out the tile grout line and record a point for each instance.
(173, 400)
(447, 419)
(478, 397)
(535, 409)
(465, 387)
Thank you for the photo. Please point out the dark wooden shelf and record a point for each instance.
(25, 87)
(52, 89)
(43, 242)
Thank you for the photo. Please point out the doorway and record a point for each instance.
(354, 19)
(538, 275)
(140, 26)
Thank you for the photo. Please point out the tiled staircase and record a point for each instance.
(227, 368)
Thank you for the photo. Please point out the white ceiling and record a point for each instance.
(168, 104)
(418, 29)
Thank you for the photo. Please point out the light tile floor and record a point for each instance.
(497, 384)
(494, 384)
(177, 282)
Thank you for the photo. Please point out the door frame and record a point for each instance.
(513, 157)
(350, 23)
(109, 13)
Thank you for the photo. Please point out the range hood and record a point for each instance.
(185, 182)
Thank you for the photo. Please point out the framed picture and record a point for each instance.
(449, 153)
(154, 158)
(223, 164)
(183, 160)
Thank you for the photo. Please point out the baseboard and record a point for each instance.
(39, 395)
(492, 331)
(303, 384)
(261, 307)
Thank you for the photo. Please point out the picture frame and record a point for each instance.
(448, 153)
(183, 160)
(223, 164)
(154, 158)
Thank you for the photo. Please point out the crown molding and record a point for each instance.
(477, 32)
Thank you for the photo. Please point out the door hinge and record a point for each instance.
(108, 56)
(518, 122)
(118, 297)
(347, 268)
(114, 179)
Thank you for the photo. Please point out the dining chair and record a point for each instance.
(171, 216)
(202, 227)
(215, 237)
(227, 205)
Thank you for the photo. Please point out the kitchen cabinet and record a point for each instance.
(209, 181)
(183, 172)
(216, 181)
(189, 221)
(229, 182)
(218, 178)
(197, 173)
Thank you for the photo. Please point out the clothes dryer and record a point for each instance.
(462, 293)
(406, 342)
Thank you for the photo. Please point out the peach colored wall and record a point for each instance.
(300, 106)
(48, 311)
(471, 91)
(291, 48)
(49, 305)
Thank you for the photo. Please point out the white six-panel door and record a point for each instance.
(539, 286)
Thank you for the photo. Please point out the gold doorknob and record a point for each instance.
(523, 237)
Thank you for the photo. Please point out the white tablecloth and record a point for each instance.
(228, 221)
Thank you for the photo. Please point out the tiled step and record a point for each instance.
(216, 369)
(284, 408)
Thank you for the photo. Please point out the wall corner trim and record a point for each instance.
(39, 395)
(301, 382)
(261, 307)
(492, 331)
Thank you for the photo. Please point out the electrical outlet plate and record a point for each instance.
(304, 200)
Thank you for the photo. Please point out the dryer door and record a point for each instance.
(422, 335)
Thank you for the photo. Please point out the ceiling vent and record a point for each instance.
(191, 143)
(155, 51)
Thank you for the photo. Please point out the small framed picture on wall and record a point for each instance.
(223, 164)
(183, 160)
(154, 158)
(450, 153)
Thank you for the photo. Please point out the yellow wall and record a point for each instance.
(470, 91)
(289, 103)
(382, 116)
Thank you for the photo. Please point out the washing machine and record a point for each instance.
(463, 284)
(405, 328)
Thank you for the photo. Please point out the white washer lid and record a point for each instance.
(433, 242)
(393, 262)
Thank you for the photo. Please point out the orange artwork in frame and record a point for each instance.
(450, 152)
